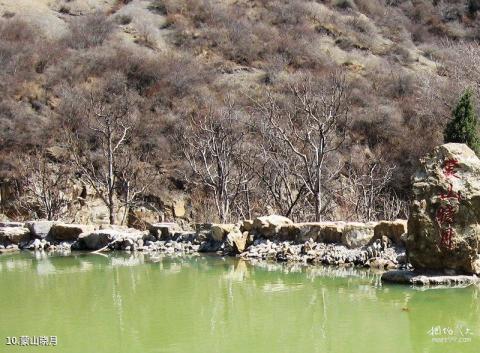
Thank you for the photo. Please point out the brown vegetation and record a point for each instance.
(237, 72)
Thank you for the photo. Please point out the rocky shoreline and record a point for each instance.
(271, 238)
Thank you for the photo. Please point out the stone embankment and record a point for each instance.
(374, 244)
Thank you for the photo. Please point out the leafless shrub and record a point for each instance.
(89, 31)
(310, 131)
(212, 143)
(45, 188)
(123, 19)
(146, 35)
(104, 149)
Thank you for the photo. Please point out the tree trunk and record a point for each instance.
(111, 181)
(318, 190)
(111, 208)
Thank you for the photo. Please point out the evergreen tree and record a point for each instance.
(463, 127)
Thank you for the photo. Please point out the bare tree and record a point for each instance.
(311, 128)
(274, 167)
(366, 190)
(103, 150)
(45, 185)
(212, 143)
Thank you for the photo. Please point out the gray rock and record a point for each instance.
(39, 229)
(164, 231)
(14, 235)
(100, 238)
(357, 234)
(429, 279)
(12, 224)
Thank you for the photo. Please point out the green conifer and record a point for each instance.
(463, 127)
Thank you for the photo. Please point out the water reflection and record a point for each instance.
(151, 303)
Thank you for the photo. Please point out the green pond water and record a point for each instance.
(137, 303)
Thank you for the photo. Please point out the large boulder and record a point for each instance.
(247, 225)
(356, 234)
(317, 231)
(165, 230)
(394, 230)
(39, 229)
(68, 232)
(331, 232)
(236, 241)
(14, 235)
(444, 222)
(218, 232)
(269, 226)
(100, 238)
(327, 232)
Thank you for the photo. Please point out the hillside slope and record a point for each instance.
(406, 63)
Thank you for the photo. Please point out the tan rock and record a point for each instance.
(356, 234)
(14, 235)
(392, 230)
(288, 232)
(93, 210)
(68, 232)
(444, 222)
(143, 217)
(179, 209)
(269, 226)
(237, 241)
(12, 224)
(328, 232)
(98, 239)
(331, 232)
(219, 232)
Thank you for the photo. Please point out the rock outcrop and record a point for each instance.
(444, 222)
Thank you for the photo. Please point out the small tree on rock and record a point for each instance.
(463, 127)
